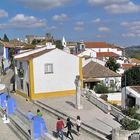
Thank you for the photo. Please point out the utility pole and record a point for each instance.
(125, 89)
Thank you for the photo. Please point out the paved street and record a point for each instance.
(50, 119)
(90, 114)
(6, 133)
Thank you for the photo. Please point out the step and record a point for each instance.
(85, 127)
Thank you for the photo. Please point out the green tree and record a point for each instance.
(132, 77)
(112, 64)
(101, 88)
(58, 44)
(35, 41)
(5, 38)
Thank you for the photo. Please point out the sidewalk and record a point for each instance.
(90, 114)
(6, 133)
(50, 119)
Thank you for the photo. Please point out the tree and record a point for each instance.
(101, 88)
(5, 38)
(112, 64)
(58, 44)
(132, 77)
(35, 41)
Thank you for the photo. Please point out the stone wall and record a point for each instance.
(119, 134)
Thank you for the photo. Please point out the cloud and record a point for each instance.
(22, 21)
(117, 6)
(79, 23)
(129, 7)
(106, 2)
(128, 35)
(3, 13)
(133, 29)
(97, 20)
(44, 4)
(3, 26)
(60, 18)
(78, 28)
(103, 29)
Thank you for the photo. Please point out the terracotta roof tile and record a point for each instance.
(106, 54)
(134, 60)
(101, 45)
(127, 66)
(95, 70)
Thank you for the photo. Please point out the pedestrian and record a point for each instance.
(39, 113)
(69, 125)
(78, 125)
(29, 116)
(59, 128)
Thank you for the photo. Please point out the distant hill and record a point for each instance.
(133, 51)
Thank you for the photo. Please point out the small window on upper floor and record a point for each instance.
(48, 68)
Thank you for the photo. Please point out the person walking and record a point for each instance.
(29, 116)
(59, 128)
(78, 125)
(39, 113)
(69, 125)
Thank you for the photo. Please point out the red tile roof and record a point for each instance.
(134, 60)
(97, 45)
(127, 66)
(101, 45)
(106, 54)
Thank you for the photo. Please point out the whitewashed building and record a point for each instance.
(94, 73)
(131, 96)
(104, 47)
(42, 73)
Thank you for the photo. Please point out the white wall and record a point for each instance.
(106, 81)
(115, 50)
(65, 66)
(86, 61)
(131, 92)
(89, 52)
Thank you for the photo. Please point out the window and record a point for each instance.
(48, 68)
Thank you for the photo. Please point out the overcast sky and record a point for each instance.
(113, 21)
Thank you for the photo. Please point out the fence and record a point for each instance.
(103, 105)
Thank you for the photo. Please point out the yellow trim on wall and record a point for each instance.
(53, 94)
(81, 71)
(21, 93)
(115, 101)
(31, 79)
(49, 94)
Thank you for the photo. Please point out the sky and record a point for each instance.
(112, 21)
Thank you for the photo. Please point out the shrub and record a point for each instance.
(104, 97)
(129, 111)
(101, 88)
(128, 124)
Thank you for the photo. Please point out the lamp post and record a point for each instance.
(78, 92)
